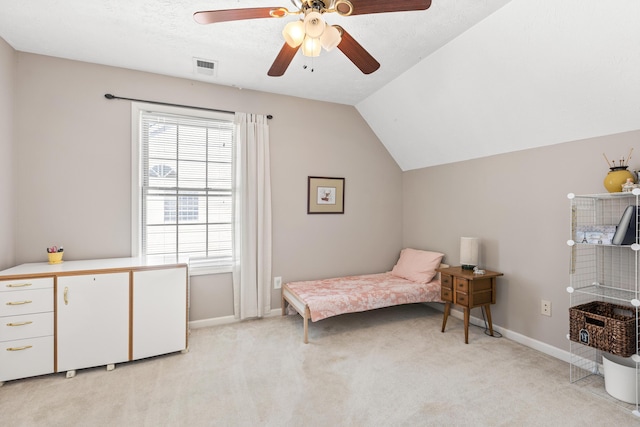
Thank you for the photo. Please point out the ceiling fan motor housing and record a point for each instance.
(309, 5)
(342, 7)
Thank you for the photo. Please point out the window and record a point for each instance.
(183, 194)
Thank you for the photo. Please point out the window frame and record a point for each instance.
(198, 266)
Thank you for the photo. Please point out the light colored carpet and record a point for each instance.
(389, 367)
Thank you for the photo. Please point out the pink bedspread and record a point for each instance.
(331, 297)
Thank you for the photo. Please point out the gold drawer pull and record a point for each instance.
(19, 348)
(19, 302)
(18, 285)
(20, 323)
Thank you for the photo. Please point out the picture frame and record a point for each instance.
(325, 195)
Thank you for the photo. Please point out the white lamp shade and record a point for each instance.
(330, 38)
(293, 33)
(311, 47)
(313, 24)
(469, 248)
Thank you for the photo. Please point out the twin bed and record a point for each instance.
(412, 280)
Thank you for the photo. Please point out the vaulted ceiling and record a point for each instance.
(462, 79)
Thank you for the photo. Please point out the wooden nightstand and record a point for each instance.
(468, 290)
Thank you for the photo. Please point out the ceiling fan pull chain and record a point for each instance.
(306, 67)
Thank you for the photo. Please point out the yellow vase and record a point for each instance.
(616, 177)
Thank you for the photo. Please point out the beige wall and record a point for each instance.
(7, 190)
(73, 171)
(517, 204)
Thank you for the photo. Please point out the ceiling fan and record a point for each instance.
(311, 33)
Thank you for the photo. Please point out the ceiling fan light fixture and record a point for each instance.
(293, 33)
(330, 38)
(313, 24)
(311, 47)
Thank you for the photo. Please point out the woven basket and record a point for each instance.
(605, 326)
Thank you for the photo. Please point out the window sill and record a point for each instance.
(206, 270)
(197, 266)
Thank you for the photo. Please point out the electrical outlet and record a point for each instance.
(277, 282)
(545, 309)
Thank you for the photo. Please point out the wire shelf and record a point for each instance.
(603, 293)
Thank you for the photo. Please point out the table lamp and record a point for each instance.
(469, 252)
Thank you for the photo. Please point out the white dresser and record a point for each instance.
(81, 314)
(26, 331)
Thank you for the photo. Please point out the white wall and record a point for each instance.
(534, 73)
(7, 190)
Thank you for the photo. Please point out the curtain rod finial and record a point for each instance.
(108, 96)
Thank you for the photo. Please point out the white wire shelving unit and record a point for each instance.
(605, 272)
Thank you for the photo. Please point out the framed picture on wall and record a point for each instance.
(325, 195)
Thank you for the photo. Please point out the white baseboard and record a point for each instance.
(225, 320)
(513, 336)
(215, 321)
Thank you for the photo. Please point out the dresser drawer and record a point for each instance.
(26, 326)
(26, 284)
(26, 358)
(24, 302)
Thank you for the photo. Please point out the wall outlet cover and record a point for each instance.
(545, 308)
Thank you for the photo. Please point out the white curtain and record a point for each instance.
(252, 238)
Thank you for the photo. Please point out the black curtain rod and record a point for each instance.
(109, 96)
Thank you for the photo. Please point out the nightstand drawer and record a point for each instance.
(26, 326)
(446, 281)
(24, 302)
(462, 285)
(446, 295)
(26, 284)
(462, 299)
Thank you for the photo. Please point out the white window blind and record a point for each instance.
(186, 200)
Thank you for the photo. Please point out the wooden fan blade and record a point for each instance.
(213, 16)
(357, 54)
(361, 7)
(282, 61)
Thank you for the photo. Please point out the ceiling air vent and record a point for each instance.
(206, 67)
